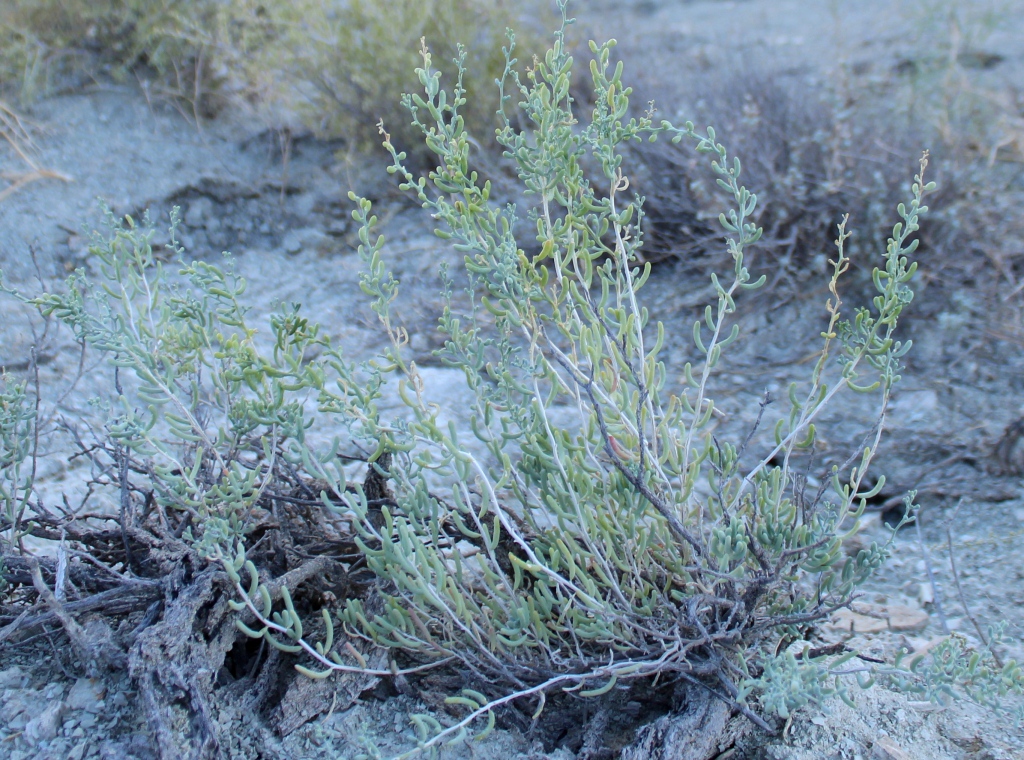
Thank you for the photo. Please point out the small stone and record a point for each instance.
(11, 678)
(903, 618)
(292, 242)
(199, 212)
(338, 227)
(914, 406)
(875, 618)
(18, 722)
(307, 239)
(78, 751)
(886, 749)
(86, 694)
(926, 594)
(44, 726)
(926, 706)
(419, 343)
(848, 621)
(303, 204)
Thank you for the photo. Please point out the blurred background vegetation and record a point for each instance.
(845, 145)
(335, 66)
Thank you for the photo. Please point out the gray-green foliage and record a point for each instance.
(589, 529)
(628, 542)
(212, 418)
(17, 423)
(955, 670)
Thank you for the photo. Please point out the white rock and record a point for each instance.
(309, 238)
(914, 406)
(11, 678)
(902, 618)
(852, 622)
(886, 749)
(926, 707)
(44, 726)
(926, 594)
(86, 694)
(199, 210)
(875, 618)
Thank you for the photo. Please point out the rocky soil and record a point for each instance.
(277, 201)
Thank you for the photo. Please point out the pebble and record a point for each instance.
(308, 238)
(11, 678)
(87, 694)
(848, 621)
(875, 618)
(44, 726)
(120, 699)
(292, 242)
(926, 593)
(886, 749)
(18, 722)
(199, 211)
(53, 691)
(419, 343)
(907, 618)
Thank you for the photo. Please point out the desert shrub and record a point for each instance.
(354, 60)
(954, 93)
(943, 81)
(806, 157)
(598, 532)
(341, 65)
(190, 47)
(814, 153)
(17, 418)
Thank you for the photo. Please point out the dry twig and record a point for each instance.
(13, 131)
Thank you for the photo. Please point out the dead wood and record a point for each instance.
(130, 593)
(307, 698)
(94, 643)
(700, 730)
(114, 602)
(173, 663)
(593, 737)
(85, 577)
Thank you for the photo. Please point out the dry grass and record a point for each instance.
(337, 66)
(815, 155)
(14, 132)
